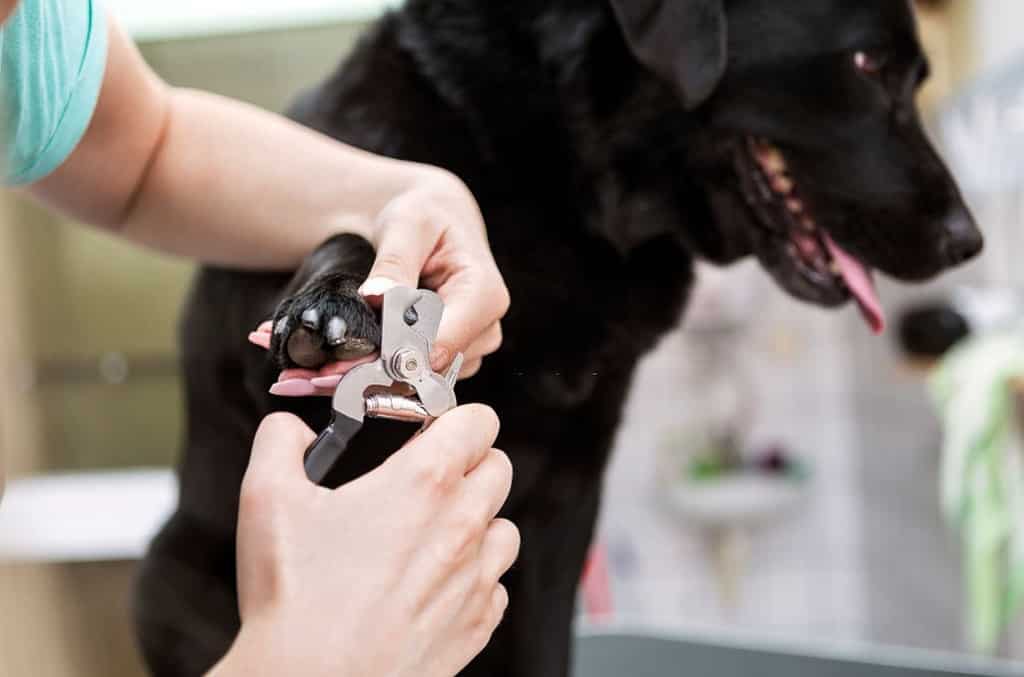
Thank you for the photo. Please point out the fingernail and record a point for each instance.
(377, 286)
(326, 381)
(297, 374)
(293, 388)
(260, 339)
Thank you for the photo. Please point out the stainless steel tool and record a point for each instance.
(400, 385)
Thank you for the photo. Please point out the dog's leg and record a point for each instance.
(322, 317)
(186, 611)
(535, 638)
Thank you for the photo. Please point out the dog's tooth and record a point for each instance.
(833, 268)
(795, 205)
(772, 160)
(807, 246)
(782, 184)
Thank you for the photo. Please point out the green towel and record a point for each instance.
(983, 475)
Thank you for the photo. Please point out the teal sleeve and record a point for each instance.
(53, 55)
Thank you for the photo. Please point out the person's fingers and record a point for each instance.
(327, 382)
(499, 604)
(451, 447)
(297, 373)
(469, 369)
(345, 366)
(487, 343)
(482, 624)
(307, 382)
(261, 336)
(474, 301)
(300, 387)
(401, 252)
(486, 488)
(277, 451)
(293, 387)
(499, 550)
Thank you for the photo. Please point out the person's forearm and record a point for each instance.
(235, 185)
(203, 176)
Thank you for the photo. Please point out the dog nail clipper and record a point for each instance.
(399, 385)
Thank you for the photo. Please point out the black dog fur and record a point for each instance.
(602, 170)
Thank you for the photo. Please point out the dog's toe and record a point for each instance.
(305, 350)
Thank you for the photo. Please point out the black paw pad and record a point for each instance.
(326, 322)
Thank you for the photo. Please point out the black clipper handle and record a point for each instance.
(329, 447)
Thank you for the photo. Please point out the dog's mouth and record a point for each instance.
(792, 245)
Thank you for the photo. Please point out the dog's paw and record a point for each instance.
(326, 322)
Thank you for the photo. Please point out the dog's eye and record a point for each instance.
(869, 63)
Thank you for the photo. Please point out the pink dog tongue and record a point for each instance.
(859, 281)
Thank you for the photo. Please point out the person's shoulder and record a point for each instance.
(52, 61)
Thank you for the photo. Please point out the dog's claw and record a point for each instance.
(311, 319)
(354, 349)
(336, 330)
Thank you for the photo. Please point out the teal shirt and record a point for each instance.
(53, 54)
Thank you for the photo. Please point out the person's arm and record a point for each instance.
(395, 573)
(203, 176)
(206, 177)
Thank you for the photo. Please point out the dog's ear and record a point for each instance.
(682, 41)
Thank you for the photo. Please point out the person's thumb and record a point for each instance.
(401, 253)
(278, 450)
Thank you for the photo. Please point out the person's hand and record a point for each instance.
(431, 234)
(434, 235)
(392, 575)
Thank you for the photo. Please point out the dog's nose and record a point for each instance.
(961, 239)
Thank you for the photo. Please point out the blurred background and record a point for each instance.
(778, 480)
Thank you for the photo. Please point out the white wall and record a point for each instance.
(158, 19)
(998, 31)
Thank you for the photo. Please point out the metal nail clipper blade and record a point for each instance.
(399, 385)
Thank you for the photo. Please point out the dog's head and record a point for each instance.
(818, 163)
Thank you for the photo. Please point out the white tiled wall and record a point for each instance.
(805, 576)
(868, 557)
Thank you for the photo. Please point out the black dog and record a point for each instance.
(609, 143)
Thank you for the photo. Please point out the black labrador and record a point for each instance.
(609, 143)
